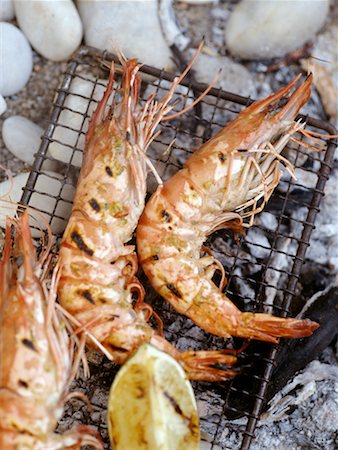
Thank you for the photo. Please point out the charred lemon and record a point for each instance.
(152, 405)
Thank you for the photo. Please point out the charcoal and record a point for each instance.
(295, 354)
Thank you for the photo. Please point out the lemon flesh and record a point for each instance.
(151, 405)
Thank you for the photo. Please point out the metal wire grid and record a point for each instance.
(249, 263)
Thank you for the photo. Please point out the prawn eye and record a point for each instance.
(166, 216)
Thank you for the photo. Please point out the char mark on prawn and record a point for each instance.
(109, 171)
(166, 216)
(94, 204)
(29, 344)
(81, 245)
(88, 296)
(222, 157)
(172, 288)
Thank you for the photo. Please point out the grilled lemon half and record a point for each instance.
(151, 405)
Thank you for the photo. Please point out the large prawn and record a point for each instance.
(36, 364)
(223, 184)
(98, 285)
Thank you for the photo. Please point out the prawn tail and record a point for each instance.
(201, 365)
(224, 319)
(266, 327)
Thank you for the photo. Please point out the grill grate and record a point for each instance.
(262, 268)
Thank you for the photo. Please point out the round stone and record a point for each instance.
(268, 29)
(3, 105)
(21, 137)
(16, 58)
(131, 26)
(52, 197)
(53, 28)
(6, 10)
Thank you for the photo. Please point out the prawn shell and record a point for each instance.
(226, 181)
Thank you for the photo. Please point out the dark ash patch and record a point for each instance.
(81, 245)
(93, 203)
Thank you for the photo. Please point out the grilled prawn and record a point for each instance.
(35, 353)
(223, 184)
(98, 284)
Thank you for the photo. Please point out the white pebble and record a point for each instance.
(76, 106)
(22, 137)
(131, 26)
(234, 77)
(268, 29)
(53, 27)
(16, 58)
(3, 105)
(50, 184)
(6, 10)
